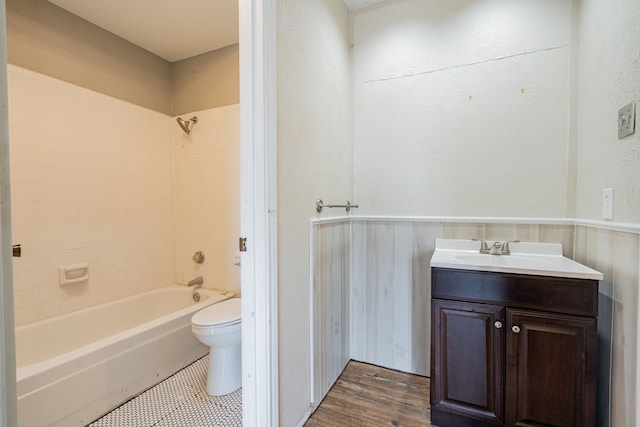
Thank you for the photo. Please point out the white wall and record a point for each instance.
(609, 73)
(462, 108)
(534, 133)
(315, 160)
(99, 180)
(206, 197)
(91, 182)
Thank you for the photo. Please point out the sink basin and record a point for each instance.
(541, 259)
(519, 261)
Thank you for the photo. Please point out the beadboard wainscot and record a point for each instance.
(330, 248)
(379, 268)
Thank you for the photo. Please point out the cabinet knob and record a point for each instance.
(515, 329)
(498, 324)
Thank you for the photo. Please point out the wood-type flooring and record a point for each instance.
(368, 395)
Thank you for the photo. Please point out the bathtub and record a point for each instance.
(74, 368)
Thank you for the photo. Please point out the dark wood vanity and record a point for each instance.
(512, 349)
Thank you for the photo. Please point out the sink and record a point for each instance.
(519, 261)
(533, 258)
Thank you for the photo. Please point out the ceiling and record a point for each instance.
(171, 29)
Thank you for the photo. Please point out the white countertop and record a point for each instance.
(539, 259)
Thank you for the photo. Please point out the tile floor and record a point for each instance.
(179, 401)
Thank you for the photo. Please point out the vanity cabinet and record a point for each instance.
(512, 350)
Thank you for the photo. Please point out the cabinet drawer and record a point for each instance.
(555, 294)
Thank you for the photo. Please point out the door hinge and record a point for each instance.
(242, 244)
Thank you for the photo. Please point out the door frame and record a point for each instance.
(8, 399)
(258, 220)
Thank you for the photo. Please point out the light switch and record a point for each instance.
(607, 203)
(627, 120)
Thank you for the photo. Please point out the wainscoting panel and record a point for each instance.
(330, 293)
(372, 292)
(390, 293)
(391, 282)
(423, 245)
(617, 255)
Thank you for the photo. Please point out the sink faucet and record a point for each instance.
(496, 248)
(198, 281)
(504, 250)
(484, 249)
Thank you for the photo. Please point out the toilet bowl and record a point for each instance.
(218, 326)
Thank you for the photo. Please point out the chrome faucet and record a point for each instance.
(484, 249)
(198, 281)
(496, 248)
(504, 250)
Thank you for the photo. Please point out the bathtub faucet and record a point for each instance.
(198, 281)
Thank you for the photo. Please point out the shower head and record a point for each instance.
(186, 125)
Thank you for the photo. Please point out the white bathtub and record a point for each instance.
(74, 368)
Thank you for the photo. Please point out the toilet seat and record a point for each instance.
(224, 313)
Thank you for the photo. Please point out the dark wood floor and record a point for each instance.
(367, 395)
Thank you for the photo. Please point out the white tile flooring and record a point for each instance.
(180, 400)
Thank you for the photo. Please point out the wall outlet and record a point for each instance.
(607, 203)
(627, 120)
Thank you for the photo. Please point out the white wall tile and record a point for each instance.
(68, 185)
(206, 197)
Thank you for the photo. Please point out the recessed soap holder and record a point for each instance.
(73, 273)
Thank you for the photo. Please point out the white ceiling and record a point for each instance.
(171, 29)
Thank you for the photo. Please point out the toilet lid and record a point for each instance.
(222, 313)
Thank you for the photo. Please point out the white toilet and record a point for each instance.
(218, 326)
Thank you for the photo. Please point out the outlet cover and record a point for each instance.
(607, 203)
(627, 120)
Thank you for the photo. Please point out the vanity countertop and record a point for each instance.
(540, 259)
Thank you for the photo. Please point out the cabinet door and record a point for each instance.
(467, 367)
(551, 362)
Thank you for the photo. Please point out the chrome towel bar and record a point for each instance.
(320, 205)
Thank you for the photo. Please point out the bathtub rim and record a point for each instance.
(27, 372)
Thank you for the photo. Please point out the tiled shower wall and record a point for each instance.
(91, 182)
(206, 196)
(390, 292)
(99, 180)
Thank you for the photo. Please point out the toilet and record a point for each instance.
(218, 326)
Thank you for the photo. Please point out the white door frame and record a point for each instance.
(258, 221)
(8, 409)
(258, 212)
